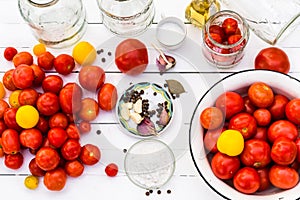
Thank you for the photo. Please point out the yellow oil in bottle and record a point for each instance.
(198, 11)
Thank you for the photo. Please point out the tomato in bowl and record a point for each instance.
(266, 181)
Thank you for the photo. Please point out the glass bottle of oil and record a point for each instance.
(198, 11)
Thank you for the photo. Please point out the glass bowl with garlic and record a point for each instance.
(145, 109)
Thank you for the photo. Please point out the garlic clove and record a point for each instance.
(137, 106)
(125, 113)
(136, 117)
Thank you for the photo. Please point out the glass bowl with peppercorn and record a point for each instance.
(225, 36)
(145, 109)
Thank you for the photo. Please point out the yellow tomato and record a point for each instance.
(31, 182)
(38, 49)
(27, 116)
(231, 142)
(84, 53)
(2, 90)
(13, 99)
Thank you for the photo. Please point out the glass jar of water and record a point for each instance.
(55, 23)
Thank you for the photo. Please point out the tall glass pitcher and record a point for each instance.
(56, 23)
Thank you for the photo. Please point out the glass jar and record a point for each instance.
(127, 17)
(230, 50)
(55, 23)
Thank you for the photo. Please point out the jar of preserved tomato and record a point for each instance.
(56, 23)
(225, 36)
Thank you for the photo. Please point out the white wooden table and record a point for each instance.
(193, 69)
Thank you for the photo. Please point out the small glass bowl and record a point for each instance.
(127, 17)
(149, 163)
(223, 55)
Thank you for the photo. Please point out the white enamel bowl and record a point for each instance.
(280, 83)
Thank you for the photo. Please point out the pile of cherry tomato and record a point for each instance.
(228, 33)
(64, 114)
(268, 122)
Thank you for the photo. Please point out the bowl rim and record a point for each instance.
(225, 196)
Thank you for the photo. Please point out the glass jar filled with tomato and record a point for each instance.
(225, 36)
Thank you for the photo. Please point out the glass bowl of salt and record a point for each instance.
(149, 163)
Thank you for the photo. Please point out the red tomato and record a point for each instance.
(211, 118)
(217, 30)
(249, 107)
(264, 179)
(262, 116)
(223, 166)
(261, 94)
(3, 127)
(256, 153)
(232, 39)
(73, 131)
(7, 80)
(211, 138)
(35, 169)
(107, 97)
(10, 119)
(58, 120)
(45, 60)
(245, 123)
(91, 77)
(52, 83)
(230, 103)
(297, 142)
(14, 161)
(57, 137)
(246, 180)
(48, 104)
(70, 98)
(31, 138)
(47, 158)
(282, 128)
(84, 127)
(64, 64)
(23, 76)
(55, 180)
(283, 177)
(111, 169)
(3, 106)
(28, 96)
(214, 36)
(74, 168)
(277, 109)
(284, 151)
(131, 56)
(272, 58)
(90, 154)
(229, 26)
(42, 125)
(9, 53)
(39, 75)
(10, 141)
(71, 149)
(23, 57)
(261, 133)
(292, 111)
(1, 149)
(89, 109)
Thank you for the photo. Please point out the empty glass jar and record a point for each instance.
(56, 23)
(127, 17)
